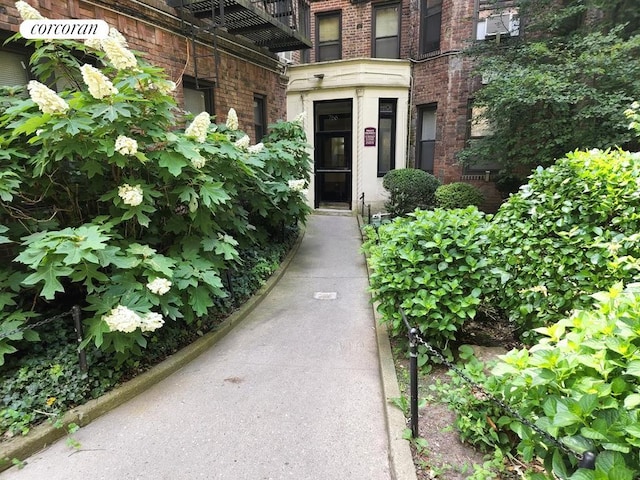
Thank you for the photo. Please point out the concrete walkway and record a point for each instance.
(292, 392)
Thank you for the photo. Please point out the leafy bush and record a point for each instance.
(570, 232)
(409, 188)
(44, 380)
(109, 201)
(508, 183)
(582, 384)
(458, 195)
(432, 264)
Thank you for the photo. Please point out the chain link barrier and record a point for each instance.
(585, 460)
(33, 326)
(74, 313)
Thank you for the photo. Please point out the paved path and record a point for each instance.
(293, 392)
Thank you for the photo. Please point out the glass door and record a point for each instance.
(333, 162)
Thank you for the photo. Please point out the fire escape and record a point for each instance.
(278, 25)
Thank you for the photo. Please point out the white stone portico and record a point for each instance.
(347, 104)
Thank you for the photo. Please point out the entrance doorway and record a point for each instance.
(333, 161)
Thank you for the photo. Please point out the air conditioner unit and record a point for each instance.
(504, 24)
(285, 57)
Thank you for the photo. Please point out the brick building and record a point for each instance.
(220, 59)
(386, 86)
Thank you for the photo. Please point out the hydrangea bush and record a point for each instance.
(108, 201)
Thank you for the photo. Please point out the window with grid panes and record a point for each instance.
(328, 37)
(386, 31)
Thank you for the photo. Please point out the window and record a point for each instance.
(478, 127)
(197, 97)
(386, 31)
(426, 137)
(386, 135)
(259, 117)
(430, 26)
(328, 38)
(13, 68)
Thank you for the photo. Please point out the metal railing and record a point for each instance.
(585, 460)
(75, 314)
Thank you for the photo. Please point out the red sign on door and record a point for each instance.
(370, 137)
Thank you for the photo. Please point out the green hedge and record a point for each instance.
(409, 188)
(458, 195)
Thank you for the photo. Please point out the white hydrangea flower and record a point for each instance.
(151, 321)
(27, 12)
(198, 162)
(99, 85)
(165, 87)
(119, 56)
(116, 35)
(159, 286)
(122, 319)
(232, 119)
(131, 195)
(94, 43)
(243, 143)
(297, 185)
(48, 101)
(257, 148)
(300, 117)
(126, 145)
(199, 127)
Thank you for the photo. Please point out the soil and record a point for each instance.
(445, 456)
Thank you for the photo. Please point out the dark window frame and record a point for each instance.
(422, 144)
(394, 130)
(319, 46)
(259, 117)
(207, 87)
(375, 38)
(429, 13)
(472, 169)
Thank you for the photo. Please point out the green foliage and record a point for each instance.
(458, 195)
(409, 188)
(432, 264)
(103, 198)
(48, 381)
(560, 85)
(44, 381)
(508, 182)
(570, 232)
(479, 421)
(581, 383)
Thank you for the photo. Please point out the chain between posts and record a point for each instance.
(33, 326)
(74, 313)
(586, 460)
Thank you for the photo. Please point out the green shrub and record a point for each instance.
(110, 201)
(570, 232)
(508, 183)
(432, 264)
(409, 188)
(582, 385)
(458, 195)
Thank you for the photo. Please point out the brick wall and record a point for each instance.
(155, 30)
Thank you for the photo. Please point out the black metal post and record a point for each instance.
(227, 276)
(413, 373)
(82, 355)
(588, 461)
(369, 213)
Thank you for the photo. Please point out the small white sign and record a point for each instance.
(64, 29)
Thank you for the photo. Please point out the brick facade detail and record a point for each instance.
(155, 30)
(443, 78)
